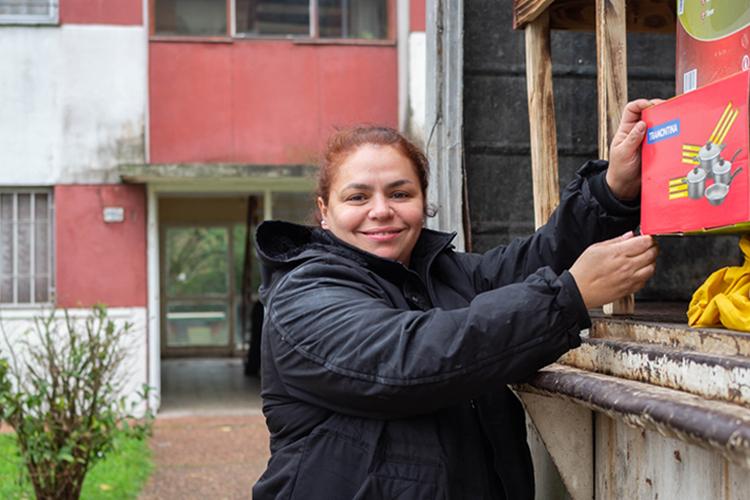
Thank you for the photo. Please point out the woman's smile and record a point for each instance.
(383, 234)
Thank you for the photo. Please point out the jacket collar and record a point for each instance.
(281, 243)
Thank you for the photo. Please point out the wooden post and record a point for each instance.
(612, 86)
(542, 125)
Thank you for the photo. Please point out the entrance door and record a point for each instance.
(198, 289)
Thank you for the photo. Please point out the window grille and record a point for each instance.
(26, 247)
(29, 11)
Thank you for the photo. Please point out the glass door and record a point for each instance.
(198, 289)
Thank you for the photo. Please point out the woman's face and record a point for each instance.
(376, 202)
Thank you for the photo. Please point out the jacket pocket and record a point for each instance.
(339, 467)
(401, 481)
(333, 467)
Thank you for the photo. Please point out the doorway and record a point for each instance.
(206, 281)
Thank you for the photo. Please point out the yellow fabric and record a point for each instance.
(723, 298)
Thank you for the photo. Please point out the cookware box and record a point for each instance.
(695, 161)
(712, 39)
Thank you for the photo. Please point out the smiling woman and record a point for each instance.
(386, 354)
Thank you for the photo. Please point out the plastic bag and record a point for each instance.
(723, 298)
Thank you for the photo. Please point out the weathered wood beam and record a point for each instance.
(713, 425)
(612, 88)
(526, 11)
(543, 130)
(720, 378)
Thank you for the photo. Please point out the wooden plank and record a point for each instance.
(714, 425)
(543, 130)
(612, 87)
(651, 16)
(526, 11)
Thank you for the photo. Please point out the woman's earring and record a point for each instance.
(323, 223)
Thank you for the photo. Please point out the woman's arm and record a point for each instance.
(587, 213)
(338, 344)
(599, 204)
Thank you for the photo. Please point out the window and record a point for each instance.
(26, 247)
(191, 17)
(28, 11)
(353, 19)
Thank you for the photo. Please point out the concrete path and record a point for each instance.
(207, 457)
(210, 439)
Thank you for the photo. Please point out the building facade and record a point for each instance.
(142, 142)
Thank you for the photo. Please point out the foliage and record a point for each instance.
(120, 475)
(62, 393)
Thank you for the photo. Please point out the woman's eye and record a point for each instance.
(356, 197)
(400, 194)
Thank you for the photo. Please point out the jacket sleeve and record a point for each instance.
(338, 344)
(588, 213)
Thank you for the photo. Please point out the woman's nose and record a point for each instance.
(380, 208)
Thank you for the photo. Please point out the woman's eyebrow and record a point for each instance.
(398, 183)
(355, 185)
(368, 187)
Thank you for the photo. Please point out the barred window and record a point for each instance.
(26, 247)
(29, 11)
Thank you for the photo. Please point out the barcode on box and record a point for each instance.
(690, 80)
(680, 7)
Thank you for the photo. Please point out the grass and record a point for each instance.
(121, 475)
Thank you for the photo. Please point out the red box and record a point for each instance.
(713, 41)
(695, 161)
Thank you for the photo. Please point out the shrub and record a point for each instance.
(61, 390)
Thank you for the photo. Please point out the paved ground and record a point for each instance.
(210, 440)
(207, 457)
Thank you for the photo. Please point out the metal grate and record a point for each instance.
(29, 11)
(26, 247)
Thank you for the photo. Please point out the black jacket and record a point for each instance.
(385, 382)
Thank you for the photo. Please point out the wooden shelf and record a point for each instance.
(648, 16)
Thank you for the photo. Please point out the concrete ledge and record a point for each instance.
(161, 173)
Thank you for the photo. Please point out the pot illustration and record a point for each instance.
(722, 169)
(709, 155)
(696, 181)
(716, 193)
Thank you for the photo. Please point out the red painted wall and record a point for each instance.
(263, 102)
(101, 12)
(417, 15)
(98, 261)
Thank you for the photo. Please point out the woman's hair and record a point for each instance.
(346, 141)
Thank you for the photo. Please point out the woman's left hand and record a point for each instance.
(624, 173)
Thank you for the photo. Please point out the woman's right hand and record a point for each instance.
(612, 269)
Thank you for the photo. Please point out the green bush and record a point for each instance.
(61, 390)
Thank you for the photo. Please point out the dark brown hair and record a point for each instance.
(346, 141)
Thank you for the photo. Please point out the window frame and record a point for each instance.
(51, 255)
(312, 38)
(53, 18)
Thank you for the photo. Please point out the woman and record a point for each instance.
(386, 354)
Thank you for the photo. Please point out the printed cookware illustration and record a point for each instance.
(710, 167)
(710, 175)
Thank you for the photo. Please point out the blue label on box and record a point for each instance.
(664, 131)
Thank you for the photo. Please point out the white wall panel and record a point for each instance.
(73, 103)
(17, 325)
(417, 86)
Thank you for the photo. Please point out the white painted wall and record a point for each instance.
(16, 323)
(73, 102)
(417, 86)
